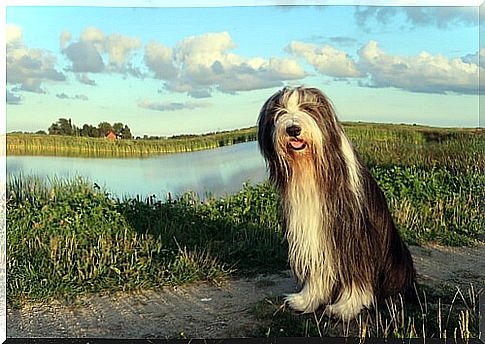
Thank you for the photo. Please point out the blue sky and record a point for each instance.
(165, 71)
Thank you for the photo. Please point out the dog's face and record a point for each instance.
(295, 122)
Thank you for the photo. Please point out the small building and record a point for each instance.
(111, 135)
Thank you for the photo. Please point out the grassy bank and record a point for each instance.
(56, 145)
(67, 238)
(378, 143)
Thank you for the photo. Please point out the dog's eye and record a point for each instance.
(277, 115)
(308, 108)
(311, 110)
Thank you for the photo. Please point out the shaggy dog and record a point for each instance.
(343, 245)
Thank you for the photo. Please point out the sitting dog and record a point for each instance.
(343, 245)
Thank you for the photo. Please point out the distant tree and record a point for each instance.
(54, 129)
(85, 130)
(183, 136)
(66, 126)
(63, 126)
(89, 131)
(76, 131)
(104, 128)
(41, 132)
(126, 133)
(118, 128)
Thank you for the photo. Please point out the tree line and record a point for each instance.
(64, 126)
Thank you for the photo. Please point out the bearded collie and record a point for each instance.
(344, 248)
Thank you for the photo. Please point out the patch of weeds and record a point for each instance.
(438, 313)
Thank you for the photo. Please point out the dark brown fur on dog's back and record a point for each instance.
(393, 253)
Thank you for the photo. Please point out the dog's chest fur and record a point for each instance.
(310, 247)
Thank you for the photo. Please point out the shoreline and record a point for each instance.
(75, 146)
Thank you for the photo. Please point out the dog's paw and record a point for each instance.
(301, 302)
(343, 311)
(350, 303)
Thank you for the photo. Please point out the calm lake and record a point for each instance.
(218, 171)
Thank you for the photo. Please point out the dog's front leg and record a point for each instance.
(351, 301)
(309, 298)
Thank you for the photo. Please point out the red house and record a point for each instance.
(110, 135)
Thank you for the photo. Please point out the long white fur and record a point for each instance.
(306, 219)
(350, 302)
(353, 167)
(307, 246)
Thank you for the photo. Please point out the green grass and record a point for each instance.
(379, 144)
(66, 238)
(435, 204)
(56, 145)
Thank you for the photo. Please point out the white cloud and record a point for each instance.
(375, 68)
(205, 48)
(171, 106)
(477, 58)
(76, 97)
(84, 79)
(81, 97)
(93, 35)
(96, 52)
(327, 60)
(421, 73)
(13, 35)
(119, 48)
(26, 67)
(159, 59)
(199, 64)
(65, 37)
(440, 16)
(85, 58)
(12, 98)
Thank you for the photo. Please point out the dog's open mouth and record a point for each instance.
(296, 144)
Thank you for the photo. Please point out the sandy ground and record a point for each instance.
(207, 311)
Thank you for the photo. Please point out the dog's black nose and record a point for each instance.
(294, 130)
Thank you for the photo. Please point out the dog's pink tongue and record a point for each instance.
(296, 144)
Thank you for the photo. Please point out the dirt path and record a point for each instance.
(207, 311)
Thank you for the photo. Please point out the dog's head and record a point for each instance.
(296, 122)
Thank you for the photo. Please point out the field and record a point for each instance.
(76, 146)
(67, 238)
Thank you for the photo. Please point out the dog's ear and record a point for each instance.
(269, 107)
(265, 125)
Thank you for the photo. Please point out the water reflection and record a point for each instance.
(217, 171)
